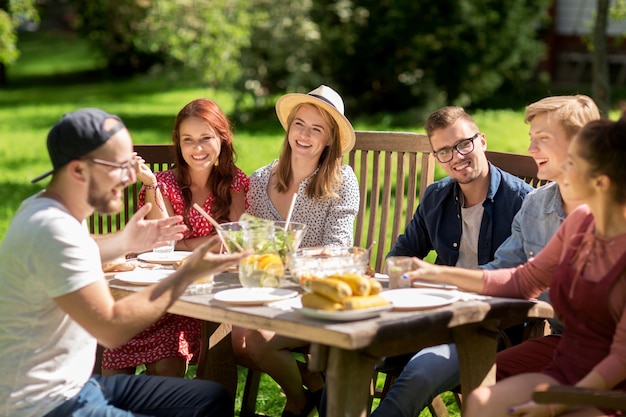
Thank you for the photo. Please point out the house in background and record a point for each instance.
(569, 58)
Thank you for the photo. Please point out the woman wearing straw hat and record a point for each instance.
(310, 166)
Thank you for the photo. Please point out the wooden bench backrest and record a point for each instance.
(393, 168)
(522, 166)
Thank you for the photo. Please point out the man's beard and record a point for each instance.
(102, 202)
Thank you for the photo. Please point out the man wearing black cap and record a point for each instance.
(55, 304)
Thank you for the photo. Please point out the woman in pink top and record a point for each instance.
(585, 267)
(205, 173)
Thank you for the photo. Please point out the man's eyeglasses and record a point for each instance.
(463, 147)
(126, 168)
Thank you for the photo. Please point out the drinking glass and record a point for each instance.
(396, 266)
(165, 250)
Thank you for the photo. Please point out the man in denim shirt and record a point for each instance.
(554, 121)
(467, 215)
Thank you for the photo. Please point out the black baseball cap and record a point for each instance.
(76, 134)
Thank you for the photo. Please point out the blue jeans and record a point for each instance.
(428, 373)
(130, 395)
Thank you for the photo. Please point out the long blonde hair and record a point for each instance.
(328, 179)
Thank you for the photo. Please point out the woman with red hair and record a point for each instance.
(204, 173)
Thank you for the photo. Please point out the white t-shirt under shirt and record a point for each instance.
(45, 356)
(472, 218)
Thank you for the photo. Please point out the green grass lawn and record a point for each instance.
(58, 73)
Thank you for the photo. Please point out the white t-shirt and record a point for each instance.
(45, 356)
(472, 220)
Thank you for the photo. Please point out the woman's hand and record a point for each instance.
(423, 271)
(144, 173)
(465, 279)
(532, 409)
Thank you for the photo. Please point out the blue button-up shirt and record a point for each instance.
(437, 224)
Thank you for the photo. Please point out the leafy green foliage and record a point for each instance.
(8, 39)
(400, 54)
(200, 39)
(280, 56)
(12, 14)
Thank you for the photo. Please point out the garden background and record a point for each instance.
(60, 70)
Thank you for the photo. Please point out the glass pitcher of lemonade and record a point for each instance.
(264, 268)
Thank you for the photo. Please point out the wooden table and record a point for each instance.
(348, 351)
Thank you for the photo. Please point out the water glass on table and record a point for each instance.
(395, 267)
(165, 250)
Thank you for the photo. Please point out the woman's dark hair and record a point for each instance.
(223, 173)
(603, 146)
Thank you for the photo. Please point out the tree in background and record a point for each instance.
(601, 80)
(12, 14)
(280, 57)
(198, 38)
(401, 54)
(388, 56)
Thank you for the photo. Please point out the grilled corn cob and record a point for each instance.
(375, 286)
(360, 284)
(331, 288)
(368, 301)
(319, 302)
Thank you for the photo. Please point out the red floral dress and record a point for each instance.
(171, 335)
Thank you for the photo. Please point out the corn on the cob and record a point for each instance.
(360, 284)
(319, 302)
(331, 288)
(368, 301)
(375, 286)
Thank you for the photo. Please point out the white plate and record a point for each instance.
(163, 258)
(346, 315)
(143, 276)
(419, 298)
(381, 277)
(253, 296)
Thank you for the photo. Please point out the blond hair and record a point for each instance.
(572, 112)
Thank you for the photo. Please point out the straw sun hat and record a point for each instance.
(326, 98)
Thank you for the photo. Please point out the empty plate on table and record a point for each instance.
(419, 298)
(344, 315)
(253, 296)
(163, 258)
(143, 276)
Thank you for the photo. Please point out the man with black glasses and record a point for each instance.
(464, 218)
(467, 215)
